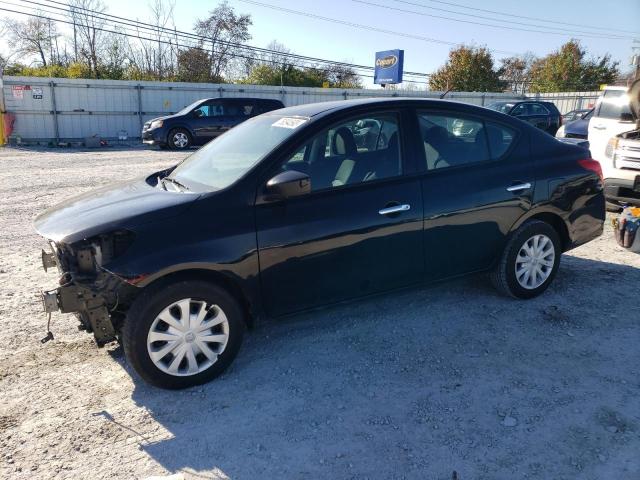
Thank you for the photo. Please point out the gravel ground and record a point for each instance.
(416, 384)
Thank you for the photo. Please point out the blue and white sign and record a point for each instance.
(389, 67)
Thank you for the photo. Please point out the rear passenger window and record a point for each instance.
(453, 140)
(356, 151)
(537, 109)
(242, 109)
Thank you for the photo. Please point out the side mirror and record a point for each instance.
(626, 117)
(287, 184)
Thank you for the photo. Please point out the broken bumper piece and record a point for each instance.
(89, 307)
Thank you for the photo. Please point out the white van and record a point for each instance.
(621, 164)
(611, 116)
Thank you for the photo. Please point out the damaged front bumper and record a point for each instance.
(95, 295)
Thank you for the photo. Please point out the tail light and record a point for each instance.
(592, 165)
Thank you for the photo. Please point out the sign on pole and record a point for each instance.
(389, 66)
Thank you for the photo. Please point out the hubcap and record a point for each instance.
(180, 140)
(535, 261)
(187, 337)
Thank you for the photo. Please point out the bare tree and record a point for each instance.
(88, 24)
(34, 36)
(223, 30)
(515, 72)
(164, 51)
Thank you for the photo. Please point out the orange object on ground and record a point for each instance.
(8, 119)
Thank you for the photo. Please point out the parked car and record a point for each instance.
(285, 212)
(575, 115)
(204, 120)
(622, 155)
(576, 128)
(542, 115)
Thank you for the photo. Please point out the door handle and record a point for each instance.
(394, 209)
(518, 187)
(600, 127)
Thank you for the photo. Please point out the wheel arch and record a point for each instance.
(553, 219)
(213, 276)
(179, 126)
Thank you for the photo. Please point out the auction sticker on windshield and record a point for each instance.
(289, 122)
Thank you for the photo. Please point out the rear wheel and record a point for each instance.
(179, 139)
(529, 261)
(183, 334)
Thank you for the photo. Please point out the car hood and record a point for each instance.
(123, 205)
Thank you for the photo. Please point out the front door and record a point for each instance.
(478, 182)
(359, 231)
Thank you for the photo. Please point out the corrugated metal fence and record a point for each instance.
(61, 108)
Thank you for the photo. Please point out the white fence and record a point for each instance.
(61, 108)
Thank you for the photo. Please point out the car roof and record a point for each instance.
(239, 98)
(317, 109)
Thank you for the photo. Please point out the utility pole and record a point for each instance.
(635, 59)
(75, 37)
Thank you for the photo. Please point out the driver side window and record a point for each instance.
(355, 151)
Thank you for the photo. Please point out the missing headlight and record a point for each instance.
(113, 245)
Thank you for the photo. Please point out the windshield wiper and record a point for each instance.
(175, 182)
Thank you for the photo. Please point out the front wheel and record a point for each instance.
(529, 261)
(179, 139)
(182, 334)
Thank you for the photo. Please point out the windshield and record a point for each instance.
(188, 108)
(502, 107)
(227, 158)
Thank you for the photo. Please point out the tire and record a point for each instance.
(504, 276)
(143, 320)
(179, 139)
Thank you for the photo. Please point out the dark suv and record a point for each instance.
(313, 205)
(204, 120)
(542, 115)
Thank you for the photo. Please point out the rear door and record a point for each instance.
(532, 113)
(239, 109)
(607, 121)
(478, 181)
(358, 232)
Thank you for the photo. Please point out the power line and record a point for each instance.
(167, 42)
(513, 15)
(584, 33)
(362, 26)
(191, 36)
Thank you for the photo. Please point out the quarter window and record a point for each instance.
(356, 151)
(453, 140)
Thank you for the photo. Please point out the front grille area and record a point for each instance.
(628, 163)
